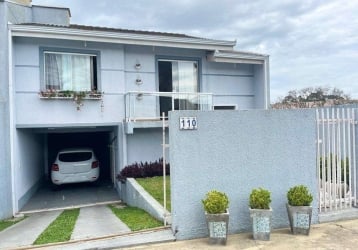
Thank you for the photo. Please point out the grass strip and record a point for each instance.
(8, 223)
(135, 218)
(59, 230)
(154, 186)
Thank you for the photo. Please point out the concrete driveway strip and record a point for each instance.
(26, 232)
(97, 221)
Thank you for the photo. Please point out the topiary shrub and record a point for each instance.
(260, 199)
(215, 202)
(299, 196)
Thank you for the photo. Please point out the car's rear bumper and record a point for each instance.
(59, 178)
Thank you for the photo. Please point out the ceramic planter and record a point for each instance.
(261, 223)
(300, 219)
(218, 227)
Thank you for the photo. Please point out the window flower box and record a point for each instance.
(76, 96)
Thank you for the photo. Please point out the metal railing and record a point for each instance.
(336, 158)
(142, 106)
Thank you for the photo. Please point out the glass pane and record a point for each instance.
(187, 77)
(75, 157)
(53, 69)
(69, 72)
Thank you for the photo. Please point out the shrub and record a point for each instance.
(299, 196)
(215, 202)
(260, 199)
(142, 170)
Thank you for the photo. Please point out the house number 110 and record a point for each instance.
(188, 123)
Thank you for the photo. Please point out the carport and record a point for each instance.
(37, 149)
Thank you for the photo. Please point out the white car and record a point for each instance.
(74, 166)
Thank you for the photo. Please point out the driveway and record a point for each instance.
(73, 195)
(92, 222)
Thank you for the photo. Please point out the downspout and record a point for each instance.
(267, 82)
(11, 123)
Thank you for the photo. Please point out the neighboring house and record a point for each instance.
(128, 78)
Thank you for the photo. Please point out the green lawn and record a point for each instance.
(7, 223)
(59, 230)
(154, 186)
(135, 218)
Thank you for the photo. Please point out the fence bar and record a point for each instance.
(324, 167)
(354, 158)
(339, 158)
(344, 155)
(318, 157)
(164, 171)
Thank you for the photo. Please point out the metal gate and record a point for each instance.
(336, 158)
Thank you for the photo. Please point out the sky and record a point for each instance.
(311, 43)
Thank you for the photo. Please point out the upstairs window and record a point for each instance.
(70, 71)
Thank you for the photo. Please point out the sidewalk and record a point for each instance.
(333, 235)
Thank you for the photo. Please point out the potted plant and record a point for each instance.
(260, 212)
(299, 209)
(216, 205)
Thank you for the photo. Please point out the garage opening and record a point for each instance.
(38, 148)
(98, 141)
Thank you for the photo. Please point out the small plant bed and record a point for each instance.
(59, 230)
(135, 218)
(8, 223)
(154, 186)
(143, 170)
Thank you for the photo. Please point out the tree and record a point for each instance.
(312, 98)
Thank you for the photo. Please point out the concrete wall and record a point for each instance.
(28, 84)
(236, 151)
(57, 16)
(230, 83)
(14, 13)
(29, 164)
(5, 167)
(145, 145)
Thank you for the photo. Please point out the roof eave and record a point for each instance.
(118, 37)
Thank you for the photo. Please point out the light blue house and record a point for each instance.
(128, 79)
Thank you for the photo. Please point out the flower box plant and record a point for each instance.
(76, 96)
(299, 209)
(261, 213)
(216, 205)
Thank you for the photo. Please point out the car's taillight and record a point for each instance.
(95, 164)
(55, 167)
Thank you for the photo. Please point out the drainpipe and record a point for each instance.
(267, 82)
(11, 123)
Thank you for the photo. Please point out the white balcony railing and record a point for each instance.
(148, 106)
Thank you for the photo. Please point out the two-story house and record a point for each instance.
(65, 85)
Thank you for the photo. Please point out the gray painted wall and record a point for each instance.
(236, 151)
(230, 83)
(5, 168)
(13, 13)
(57, 16)
(29, 164)
(145, 145)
